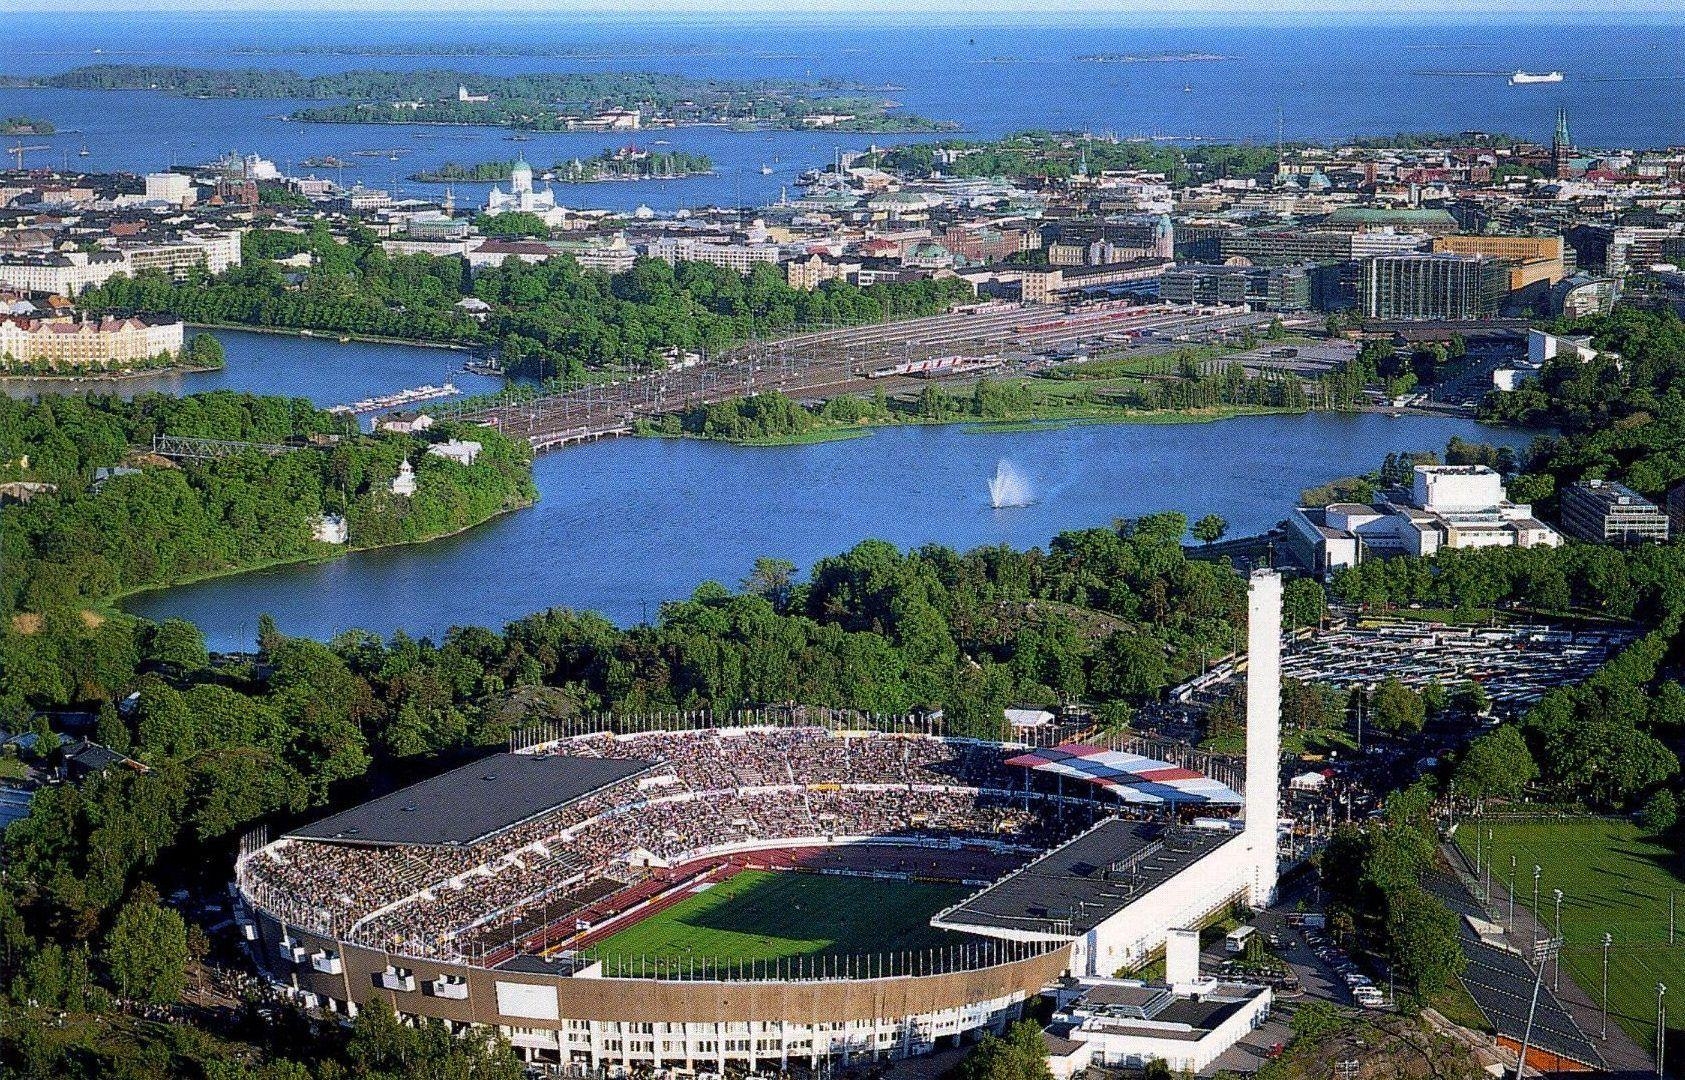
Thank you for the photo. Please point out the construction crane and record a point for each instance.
(20, 149)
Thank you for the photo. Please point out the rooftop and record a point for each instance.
(473, 801)
(1077, 886)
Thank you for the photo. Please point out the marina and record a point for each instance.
(397, 400)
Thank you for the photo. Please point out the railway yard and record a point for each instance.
(896, 357)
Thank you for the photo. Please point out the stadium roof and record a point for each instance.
(1080, 884)
(1130, 777)
(474, 801)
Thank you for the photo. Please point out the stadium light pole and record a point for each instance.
(1556, 975)
(1603, 1032)
(1488, 864)
(1661, 1028)
(1537, 870)
(1510, 923)
(1542, 951)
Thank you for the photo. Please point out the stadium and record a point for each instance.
(701, 896)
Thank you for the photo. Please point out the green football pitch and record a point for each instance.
(1615, 880)
(759, 915)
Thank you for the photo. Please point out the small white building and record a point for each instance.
(405, 423)
(1021, 717)
(330, 528)
(404, 483)
(1124, 1023)
(1542, 346)
(461, 451)
(1311, 781)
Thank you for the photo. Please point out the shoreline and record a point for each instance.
(114, 376)
(332, 336)
(109, 604)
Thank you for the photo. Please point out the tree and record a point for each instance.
(1661, 812)
(146, 950)
(1423, 940)
(177, 644)
(1210, 529)
(1304, 602)
(1470, 697)
(204, 351)
(1497, 765)
(772, 579)
(1020, 1055)
(1397, 709)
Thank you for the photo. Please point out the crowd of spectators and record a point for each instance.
(711, 789)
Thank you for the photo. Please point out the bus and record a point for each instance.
(1237, 938)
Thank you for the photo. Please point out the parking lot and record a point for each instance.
(1514, 665)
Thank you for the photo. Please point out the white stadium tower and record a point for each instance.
(1117, 891)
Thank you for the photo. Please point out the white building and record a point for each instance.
(65, 274)
(1449, 506)
(405, 423)
(739, 257)
(1542, 346)
(404, 483)
(330, 528)
(461, 451)
(1121, 1023)
(521, 198)
(169, 187)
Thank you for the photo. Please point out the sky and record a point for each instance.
(1465, 10)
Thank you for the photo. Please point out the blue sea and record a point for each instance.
(1624, 86)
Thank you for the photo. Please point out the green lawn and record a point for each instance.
(761, 915)
(1615, 880)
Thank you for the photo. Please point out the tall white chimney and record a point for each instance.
(1263, 729)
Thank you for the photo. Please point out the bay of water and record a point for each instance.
(325, 370)
(623, 525)
(1325, 82)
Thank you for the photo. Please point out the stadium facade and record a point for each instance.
(478, 897)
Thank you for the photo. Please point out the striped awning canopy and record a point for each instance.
(1129, 777)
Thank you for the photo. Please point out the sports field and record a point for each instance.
(1614, 880)
(760, 915)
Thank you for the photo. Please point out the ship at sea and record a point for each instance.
(1523, 78)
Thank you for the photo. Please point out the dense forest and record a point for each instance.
(548, 320)
(1620, 416)
(1062, 155)
(160, 520)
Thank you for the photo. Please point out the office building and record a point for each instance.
(733, 256)
(1433, 286)
(1607, 512)
(1265, 288)
(169, 187)
(1533, 259)
(65, 274)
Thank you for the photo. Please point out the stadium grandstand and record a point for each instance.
(693, 895)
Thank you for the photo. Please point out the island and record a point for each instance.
(1151, 58)
(629, 162)
(546, 101)
(26, 125)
